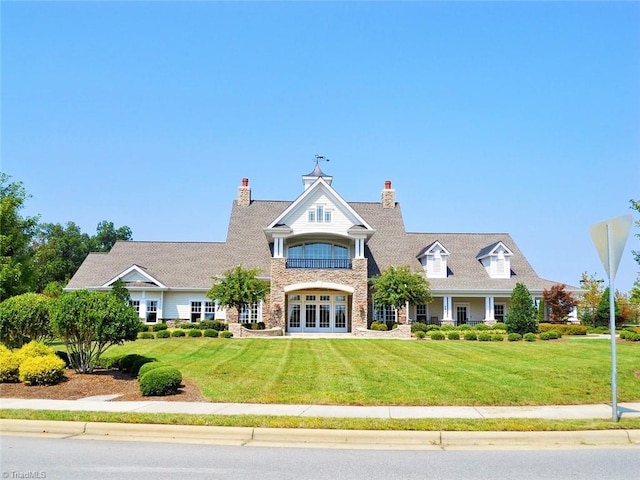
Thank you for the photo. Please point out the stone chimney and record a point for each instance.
(388, 196)
(244, 193)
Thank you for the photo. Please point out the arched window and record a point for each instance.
(318, 255)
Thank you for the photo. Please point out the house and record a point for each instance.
(318, 252)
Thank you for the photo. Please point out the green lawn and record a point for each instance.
(399, 372)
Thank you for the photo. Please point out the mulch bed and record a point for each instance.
(102, 382)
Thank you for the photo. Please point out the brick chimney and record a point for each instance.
(244, 193)
(388, 196)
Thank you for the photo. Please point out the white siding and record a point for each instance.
(178, 304)
(299, 220)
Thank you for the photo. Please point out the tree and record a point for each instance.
(239, 288)
(559, 303)
(58, 252)
(16, 270)
(398, 285)
(90, 322)
(603, 311)
(635, 205)
(119, 289)
(522, 311)
(590, 299)
(24, 318)
(107, 235)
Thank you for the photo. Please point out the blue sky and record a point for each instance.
(519, 117)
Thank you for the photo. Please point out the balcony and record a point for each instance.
(319, 263)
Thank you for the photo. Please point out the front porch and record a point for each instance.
(461, 310)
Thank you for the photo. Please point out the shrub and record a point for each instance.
(575, 330)
(138, 364)
(210, 332)
(64, 356)
(378, 326)
(500, 326)
(545, 336)
(464, 327)
(418, 327)
(214, 324)
(32, 349)
(147, 367)
(436, 327)
(126, 363)
(42, 370)
(160, 381)
(447, 327)
(514, 337)
(146, 336)
(195, 333)
(555, 334)
(163, 334)
(470, 336)
(9, 366)
(545, 327)
(484, 337)
(190, 326)
(109, 362)
(437, 335)
(420, 334)
(529, 337)
(482, 327)
(178, 333)
(497, 338)
(453, 336)
(143, 327)
(158, 327)
(226, 334)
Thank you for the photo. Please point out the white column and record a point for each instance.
(489, 309)
(446, 309)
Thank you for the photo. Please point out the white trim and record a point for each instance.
(320, 285)
(134, 268)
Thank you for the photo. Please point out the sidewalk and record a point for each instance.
(549, 412)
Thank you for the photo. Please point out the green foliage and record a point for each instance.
(53, 289)
(90, 322)
(9, 365)
(119, 290)
(497, 338)
(25, 317)
(147, 367)
(464, 327)
(514, 337)
(529, 337)
(482, 327)
(163, 334)
(214, 324)
(418, 327)
(447, 327)
(522, 316)
(398, 285)
(378, 326)
(146, 336)
(32, 349)
(211, 333)
(160, 381)
(107, 235)
(541, 311)
(195, 333)
(484, 337)
(178, 333)
(603, 311)
(239, 287)
(453, 335)
(226, 334)
(16, 263)
(635, 205)
(471, 336)
(42, 370)
(157, 327)
(436, 335)
(499, 326)
(420, 334)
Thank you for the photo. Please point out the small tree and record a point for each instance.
(239, 288)
(522, 311)
(559, 302)
(23, 318)
(590, 299)
(603, 311)
(119, 289)
(90, 322)
(398, 285)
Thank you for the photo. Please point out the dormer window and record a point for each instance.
(496, 260)
(434, 260)
(319, 214)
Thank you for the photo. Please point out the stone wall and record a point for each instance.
(403, 331)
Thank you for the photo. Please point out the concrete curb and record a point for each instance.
(249, 436)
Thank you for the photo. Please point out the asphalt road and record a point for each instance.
(74, 459)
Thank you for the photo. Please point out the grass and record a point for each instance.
(263, 421)
(399, 372)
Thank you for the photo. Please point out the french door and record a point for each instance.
(317, 312)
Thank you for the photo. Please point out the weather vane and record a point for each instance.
(320, 158)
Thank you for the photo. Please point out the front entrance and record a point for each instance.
(462, 313)
(317, 312)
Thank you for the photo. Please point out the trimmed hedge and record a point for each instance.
(160, 381)
(471, 336)
(453, 336)
(146, 336)
(419, 334)
(163, 334)
(529, 337)
(178, 333)
(378, 326)
(514, 337)
(147, 367)
(42, 370)
(226, 334)
(211, 333)
(195, 333)
(437, 335)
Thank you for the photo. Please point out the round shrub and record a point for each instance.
(420, 334)
(160, 381)
(9, 366)
(635, 337)
(436, 327)
(195, 333)
(470, 336)
(464, 327)
(499, 326)
(146, 336)
(437, 335)
(214, 324)
(178, 333)
(529, 337)
(484, 337)
(497, 338)
(210, 332)
(32, 349)
(576, 330)
(163, 334)
(42, 370)
(453, 336)
(418, 327)
(226, 334)
(158, 327)
(138, 364)
(482, 327)
(378, 326)
(514, 337)
(147, 367)
(126, 363)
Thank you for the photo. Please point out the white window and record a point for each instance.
(209, 310)
(385, 313)
(320, 213)
(250, 314)
(435, 261)
(152, 311)
(312, 216)
(135, 304)
(196, 311)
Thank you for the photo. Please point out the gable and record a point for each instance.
(135, 276)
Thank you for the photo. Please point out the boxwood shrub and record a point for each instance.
(529, 337)
(470, 336)
(147, 367)
(163, 334)
(178, 333)
(214, 325)
(453, 335)
(484, 337)
(437, 335)
(158, 327)
(42, 370)
(499, 326)
(418, 327)
(146, 336)
(160, 381)
(226, 334)
(210, 332)
(378, 326)
(195, 333)
(419, 334)
(482, 327)
(514, 337)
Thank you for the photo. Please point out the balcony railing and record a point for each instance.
(319, 263)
